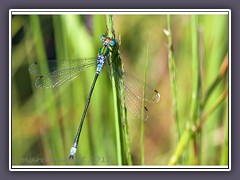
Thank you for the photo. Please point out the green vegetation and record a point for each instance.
(188, 65)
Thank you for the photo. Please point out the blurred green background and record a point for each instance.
(44, 122)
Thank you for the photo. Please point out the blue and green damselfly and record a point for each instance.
(55, 73)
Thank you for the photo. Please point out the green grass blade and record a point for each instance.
(196, 84)
(143, 106)
(121, 124)
(190, 132)
(110, 30)
(55, 139)
(172, 72)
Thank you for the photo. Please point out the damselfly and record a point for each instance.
(55, 73)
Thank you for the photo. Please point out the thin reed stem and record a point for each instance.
(143, 106)
(110, 31)
(173, 81)
(222, 72)
(193, 131)
(196, 83)
(123, 148)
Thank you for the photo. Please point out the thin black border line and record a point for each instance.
(127, 168)
(95, 11)
(197, 169)
(10, 85)
(229, 67)
(123, 168)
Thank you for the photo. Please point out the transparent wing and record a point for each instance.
(137, 86)
(49, 67)
(55, 80)
(133, 89)
(134, 95)
(134, 105)
(54, 73)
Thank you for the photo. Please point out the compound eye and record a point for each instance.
(112, 43)
(102, 37)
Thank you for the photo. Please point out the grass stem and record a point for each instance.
(196, 83)
(110, 33)
(142, 122)
(193, 131)
(121, 124)
(173, 81)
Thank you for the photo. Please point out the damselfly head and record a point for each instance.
(107, 40)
